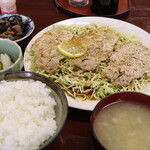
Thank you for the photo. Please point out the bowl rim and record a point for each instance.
(19, 57)
(31, 24)
(6, 76)
(104, 104)
(123, 96)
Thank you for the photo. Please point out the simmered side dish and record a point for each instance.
(12, 27)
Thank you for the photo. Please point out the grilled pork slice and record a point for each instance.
(45, 49)
(100, 46)
(130, 61)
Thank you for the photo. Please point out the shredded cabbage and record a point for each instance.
(90, 84)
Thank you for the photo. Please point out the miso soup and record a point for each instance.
(124, 126)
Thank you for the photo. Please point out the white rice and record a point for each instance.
(27, 116)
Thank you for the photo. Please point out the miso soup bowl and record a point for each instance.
(139, 98)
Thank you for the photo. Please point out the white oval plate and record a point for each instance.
(121, 26)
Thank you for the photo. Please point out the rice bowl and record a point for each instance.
(29, 115)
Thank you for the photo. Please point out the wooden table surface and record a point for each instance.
(76, 134)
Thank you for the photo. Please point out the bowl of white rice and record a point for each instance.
(33, 111)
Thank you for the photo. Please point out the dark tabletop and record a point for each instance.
(76, 134)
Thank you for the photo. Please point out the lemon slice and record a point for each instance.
(72, 48)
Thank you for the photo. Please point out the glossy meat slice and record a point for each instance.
(45, 49)
(100, 46)
(130, 61)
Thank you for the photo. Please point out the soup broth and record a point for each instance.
(124, 126)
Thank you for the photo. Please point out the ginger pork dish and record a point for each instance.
(110, 62)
